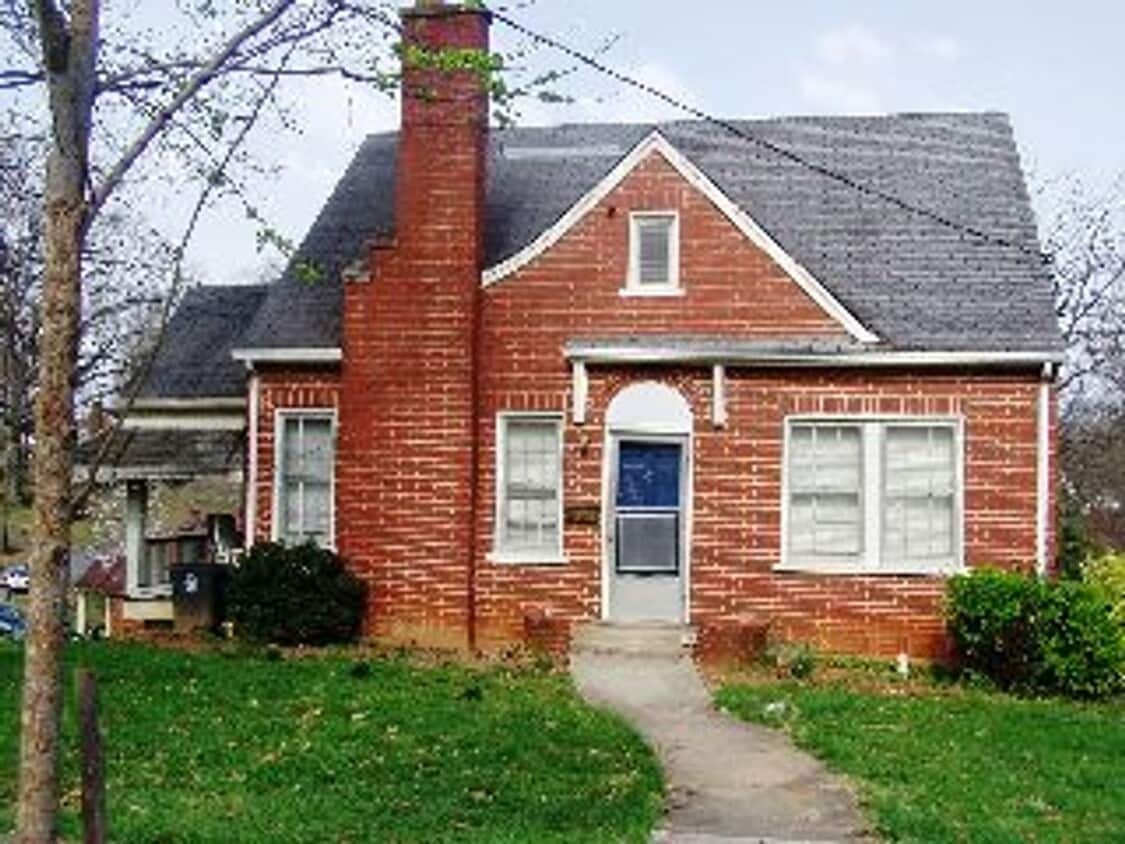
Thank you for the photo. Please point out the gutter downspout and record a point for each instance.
(1043, 469)
(252, 463)
(474, 470)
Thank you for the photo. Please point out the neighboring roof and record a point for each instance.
(167, 454)
(194, 360)
(916, 283)
(106, 574)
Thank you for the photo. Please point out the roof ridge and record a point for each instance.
(771, 119)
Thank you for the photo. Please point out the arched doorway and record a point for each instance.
(647, 503)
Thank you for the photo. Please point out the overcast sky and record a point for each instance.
(1057, 68)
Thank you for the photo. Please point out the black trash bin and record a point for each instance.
(198, 596)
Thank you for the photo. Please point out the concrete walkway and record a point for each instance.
(728, 781)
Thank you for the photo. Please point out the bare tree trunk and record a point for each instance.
(8, 443)
(69, 50)
(54, 428)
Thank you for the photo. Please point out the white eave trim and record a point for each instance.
(632, 355)
(296, 355)
(656, 142)
(181, 405)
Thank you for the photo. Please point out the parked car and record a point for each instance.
(16, 578)
(12, 624)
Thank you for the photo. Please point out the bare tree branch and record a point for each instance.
(198, 80)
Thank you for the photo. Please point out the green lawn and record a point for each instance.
(215, 747)
(971, 766)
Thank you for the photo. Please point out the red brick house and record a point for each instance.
(546, 376)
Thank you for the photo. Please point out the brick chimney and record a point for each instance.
(441, 156)
(408, 446)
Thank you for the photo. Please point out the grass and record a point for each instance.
(962, 765)
(237, 747)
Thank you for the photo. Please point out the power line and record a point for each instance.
(770, 146)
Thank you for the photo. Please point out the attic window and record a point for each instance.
(654, 254)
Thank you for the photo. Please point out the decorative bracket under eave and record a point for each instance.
(719, 395)
(580, 390)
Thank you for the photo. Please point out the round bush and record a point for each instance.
(299, 595)
(1031, 635)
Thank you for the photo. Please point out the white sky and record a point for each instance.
(1057, 68)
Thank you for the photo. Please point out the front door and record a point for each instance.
(646, 542)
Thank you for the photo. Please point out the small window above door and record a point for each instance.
(654, 254)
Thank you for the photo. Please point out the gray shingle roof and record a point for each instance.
(916, 283)
(194, 360)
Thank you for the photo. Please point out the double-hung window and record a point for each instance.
(919, 493)
(305, 478)
(529, 500)
(826, 493)
(872, 495)
(654, 254)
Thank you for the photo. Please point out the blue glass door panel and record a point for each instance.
(648, 475)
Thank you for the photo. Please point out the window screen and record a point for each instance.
(529, 509)
(305, 482)
(653, 250)
(919, 494)
(648, 543)
(825, 492)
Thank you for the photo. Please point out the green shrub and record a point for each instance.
(295, 596)
(1075, 544)
(1107, 573)
(791, 659)
(992, 617)
(1035, 636)
(1083, 647)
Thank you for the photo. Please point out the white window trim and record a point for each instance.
(633, 286)
(279, 418)
(873, 474)
(498, 554)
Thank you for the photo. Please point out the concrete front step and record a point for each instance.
(634, 639)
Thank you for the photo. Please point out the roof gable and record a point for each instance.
(656, 144)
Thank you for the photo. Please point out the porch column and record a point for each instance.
(136, 514)
(80, 612)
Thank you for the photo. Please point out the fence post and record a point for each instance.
(93, 760)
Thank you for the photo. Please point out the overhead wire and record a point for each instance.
(764, 143)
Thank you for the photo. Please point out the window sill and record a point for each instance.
(651, 293)
(150, 593)
(527, 559)
(937, 570)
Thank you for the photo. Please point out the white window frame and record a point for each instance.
(633, 285)
(499, 554)
(873, 474)
(281, 415)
